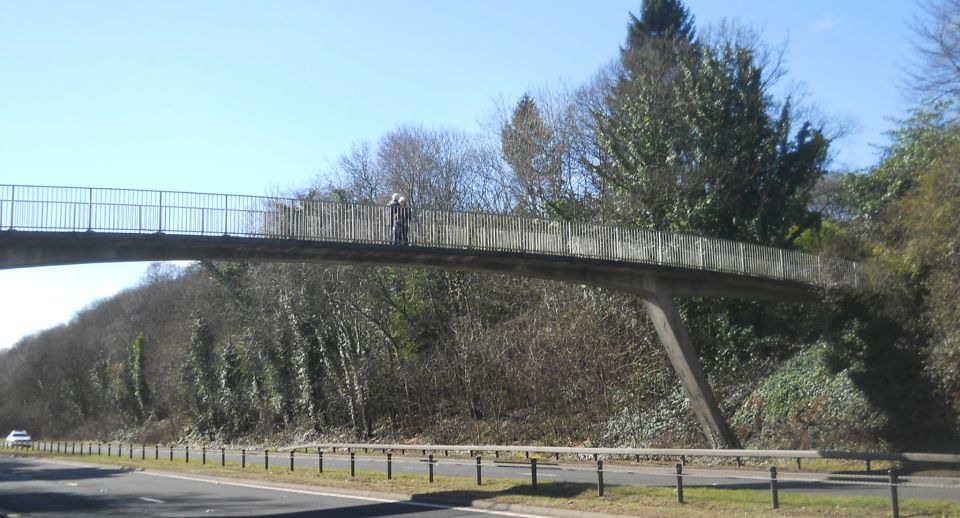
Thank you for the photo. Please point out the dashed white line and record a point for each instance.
(151, 500)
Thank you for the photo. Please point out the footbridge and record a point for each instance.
(42, 226)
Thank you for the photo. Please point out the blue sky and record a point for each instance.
(249, 97)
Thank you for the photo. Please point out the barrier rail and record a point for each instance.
(427, 463)
(86, 209)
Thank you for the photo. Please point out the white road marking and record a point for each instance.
(72, 484)
(151, 500)
(338, 495)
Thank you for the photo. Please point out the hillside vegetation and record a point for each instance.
(683, 133)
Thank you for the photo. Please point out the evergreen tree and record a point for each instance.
(198, 377)
(694, 142)
(141, 392)
(525, 143)
(666, 19)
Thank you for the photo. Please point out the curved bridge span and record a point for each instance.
(41, 225)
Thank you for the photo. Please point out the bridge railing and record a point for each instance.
(80, 209)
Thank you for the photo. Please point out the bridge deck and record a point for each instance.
(194, 225)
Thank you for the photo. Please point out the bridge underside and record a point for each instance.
(656, 284)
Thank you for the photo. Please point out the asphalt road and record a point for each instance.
(38, 487)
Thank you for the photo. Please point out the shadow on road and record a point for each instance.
(13, 468)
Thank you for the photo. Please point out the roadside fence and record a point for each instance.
(581, 465)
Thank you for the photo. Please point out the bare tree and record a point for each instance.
(936, 77)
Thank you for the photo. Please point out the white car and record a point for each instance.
(18, 438)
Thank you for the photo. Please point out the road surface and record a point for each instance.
(49, 488)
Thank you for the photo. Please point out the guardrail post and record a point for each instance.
(143, 451)
(533, 473)
(389, 466)
(430, 467)
(679, 483)
(266, 458)
(774, 495)
(868, 465)
(130, 453)
(319, 460)
(109, 449)
(223, 457)
(171, 452)
(203, 452)
(599, 478)
(894, 502)
(156, 452)
(353, 464)
(243, 458)
(291, 459)
(798, 463)
(73, 448)
(99, 449)
(479, 482)
(186, 454)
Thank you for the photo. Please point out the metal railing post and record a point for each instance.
(894, 501)
(533, 473)
(353, 464)
(774, 494)
(430, 468)
(679, 483)
(89, 210)
(478, 470)
(599, 477)
(319, 461)
(389, 466)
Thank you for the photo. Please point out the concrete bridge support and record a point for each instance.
(676, 341)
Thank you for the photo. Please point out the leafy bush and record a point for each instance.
(804, 405)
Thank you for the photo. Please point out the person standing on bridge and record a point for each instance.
(394, 205)
(402, 221)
